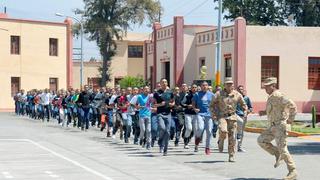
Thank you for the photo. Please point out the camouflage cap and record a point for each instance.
(269, 81)
(228, 80)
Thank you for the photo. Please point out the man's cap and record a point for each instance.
(269, 81)
(228, 80)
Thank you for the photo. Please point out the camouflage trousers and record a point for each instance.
(279, 134)
(228, 127)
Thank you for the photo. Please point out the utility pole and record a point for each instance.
(218, 49)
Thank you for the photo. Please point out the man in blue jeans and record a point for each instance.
(203, 121)
(164, 101)
(84, 102)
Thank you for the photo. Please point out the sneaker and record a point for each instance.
(186, 147)
(165, 153)
(241, 150)
(161, 149)
(152, 143)
(148, 147)
(292, 175)
(113, 136)
(207, 151)
(196, 149)
(126, 140)
(135, 142)
(108, 134)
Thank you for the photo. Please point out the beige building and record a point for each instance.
(249, 55)
(128, 61)
(33, 55)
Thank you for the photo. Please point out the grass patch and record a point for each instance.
(297, 126)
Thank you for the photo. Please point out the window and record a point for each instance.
(269, 68)
(15, 44)
(228, 67)
(208, 37)
(53, 84)
(135, 51)
(15, 85)
(212, 36)
(199, 39)
(314, 73)
(202, 62)
(53, 47)
(204, 38)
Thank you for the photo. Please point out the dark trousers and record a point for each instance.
(136, 127)
(85, 117)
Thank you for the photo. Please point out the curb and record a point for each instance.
(260, 130)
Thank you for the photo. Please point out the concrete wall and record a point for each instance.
(34, 66)
(293, 45)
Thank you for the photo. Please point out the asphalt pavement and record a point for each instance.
(30, 149)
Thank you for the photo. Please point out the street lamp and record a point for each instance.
(81, 44)
(218, 49)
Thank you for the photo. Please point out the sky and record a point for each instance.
(194, 12)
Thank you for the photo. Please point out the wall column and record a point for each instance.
(156, 27)
(178, 52)
(69, 53)
(240, 52)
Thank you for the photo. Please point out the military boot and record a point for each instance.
(292, 175)
(231, 158)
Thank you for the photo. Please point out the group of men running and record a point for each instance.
(150, 117)
(166, 114)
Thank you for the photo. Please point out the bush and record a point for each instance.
(129, 81)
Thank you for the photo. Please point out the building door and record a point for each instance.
(167, 71)
(15, 85)
(53, 84)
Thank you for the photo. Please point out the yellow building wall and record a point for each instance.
(90, 70)
(34, 66)
(293, 45)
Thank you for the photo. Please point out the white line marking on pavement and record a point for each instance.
(62, 157)
(7, 175)
(51, 174)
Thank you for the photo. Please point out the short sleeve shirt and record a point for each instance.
(165, 96)
(202, 101)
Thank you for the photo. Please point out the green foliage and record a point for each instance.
(274, 12)
(314, 116)
(256, 12)
(108, 20)
(129, 81)
(303, 12)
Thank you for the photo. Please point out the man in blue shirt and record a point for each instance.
(242, 119)
(201, 103)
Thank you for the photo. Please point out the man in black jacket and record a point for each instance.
(84, 103)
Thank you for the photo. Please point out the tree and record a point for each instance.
(108, 20)
(302, 12)
(129, 81)
(256, 12)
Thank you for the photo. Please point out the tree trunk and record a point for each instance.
(104, 69)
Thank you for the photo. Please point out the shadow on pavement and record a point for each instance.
(204, 162)
(309, 148)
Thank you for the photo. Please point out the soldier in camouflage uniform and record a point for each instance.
(224, 106)
(281, 112)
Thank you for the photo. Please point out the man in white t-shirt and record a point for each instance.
(45, 101)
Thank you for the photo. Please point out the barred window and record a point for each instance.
(269, 68)
(314, 73)
(53, 47)
(15, 45)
